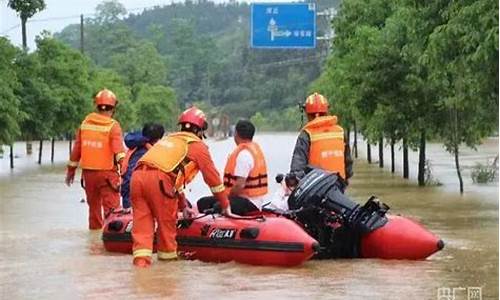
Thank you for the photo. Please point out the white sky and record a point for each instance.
(62, 9)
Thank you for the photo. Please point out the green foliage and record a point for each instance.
(485, 173)
(463, 59)
(140, 65)
(26, 8)
(109, 12)
(205, 48)
(157, 103)
(37, 99)
(10, 112)
(66, 73)
(109, 79)
(406, 69)
(286, 120)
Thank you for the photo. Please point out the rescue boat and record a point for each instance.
(346, 229)
(400, 238)
(270, 241)
(322, 221)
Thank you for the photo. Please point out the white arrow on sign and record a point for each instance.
(275, 32)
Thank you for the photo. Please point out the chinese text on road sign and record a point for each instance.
(283, 25)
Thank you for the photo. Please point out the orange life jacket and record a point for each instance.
(327, 144)
(95, 135)
(129, 154)
(169, 155)
(256, 182)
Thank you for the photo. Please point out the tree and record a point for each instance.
(140, 65)
(105, 35)
(25, 10)
(109, 79)
(36, 97)
(204, 47)
(157, 104)
(109, 12)
(463, 59)
(10, 112)
(66, 73)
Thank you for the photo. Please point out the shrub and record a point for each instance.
(484, 173)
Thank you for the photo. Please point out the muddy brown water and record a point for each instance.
(47, 253)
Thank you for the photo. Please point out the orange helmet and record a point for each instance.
(194, 116)
(316, 103)
(105, 97)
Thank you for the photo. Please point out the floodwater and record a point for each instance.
(46, 252)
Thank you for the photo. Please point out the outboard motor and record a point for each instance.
(333, 219)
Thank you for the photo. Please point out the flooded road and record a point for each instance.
(47, 252)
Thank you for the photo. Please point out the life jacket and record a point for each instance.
(95, 135)
(169, 155)
(129, 154)
(256, 182)
(327, 144)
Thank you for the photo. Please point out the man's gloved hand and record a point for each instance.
(291, 180)
(70, 176)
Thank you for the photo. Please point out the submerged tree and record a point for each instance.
(463, 58)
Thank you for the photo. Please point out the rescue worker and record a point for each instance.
(137, 143)
(245, 174)
(158, 182)
(99, 151)
(322, 142)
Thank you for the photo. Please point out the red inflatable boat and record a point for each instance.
(346, 229)
(272, 241)
(400, 238)
(321, 221)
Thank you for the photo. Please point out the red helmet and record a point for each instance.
(194, 116)
(316, 103)
(105, 97)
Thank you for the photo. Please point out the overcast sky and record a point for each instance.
(10, 23)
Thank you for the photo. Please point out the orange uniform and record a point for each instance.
(256, 182)
(327, 144)
(98, 149)
(157, 190)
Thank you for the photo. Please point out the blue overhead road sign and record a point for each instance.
(283, 25)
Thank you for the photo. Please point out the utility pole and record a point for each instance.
(328, 14)
(81, 34)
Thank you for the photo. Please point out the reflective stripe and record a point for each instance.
(72, 163)
(256, 181)
(217, 189)
(143, 252)
(326, 135)
(167, 255)
(98, 128)
(119, 156)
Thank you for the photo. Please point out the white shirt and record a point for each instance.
(245, 164)
(280, 198)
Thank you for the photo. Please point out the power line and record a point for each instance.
(10, 29)
(70, 17)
